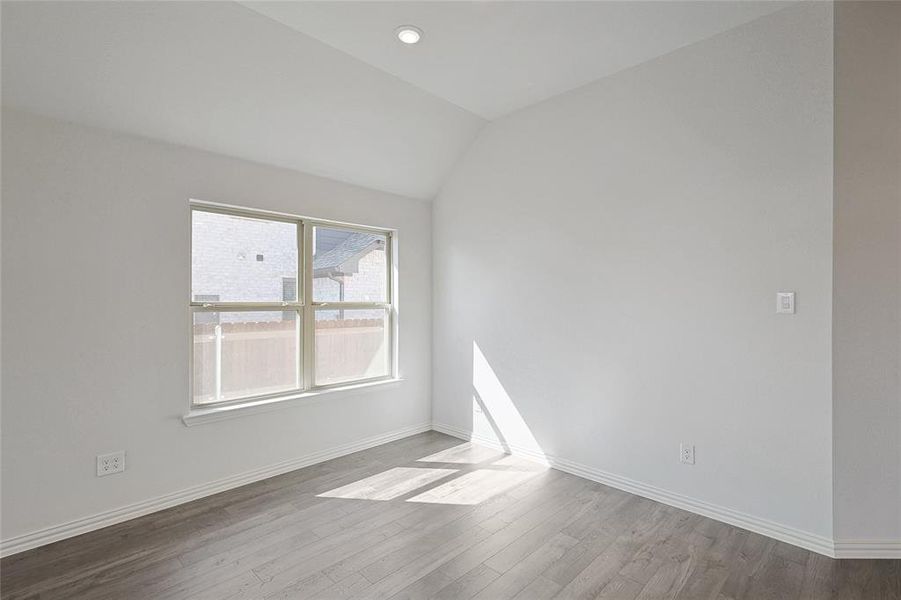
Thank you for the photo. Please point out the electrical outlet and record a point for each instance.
(687, 454)
(107, 464)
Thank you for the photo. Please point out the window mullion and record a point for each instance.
(390, 250)
(309, 313)
(351, 305)
(300, 294)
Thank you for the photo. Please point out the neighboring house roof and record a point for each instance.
(351, 249)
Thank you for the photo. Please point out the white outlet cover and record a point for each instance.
(687, 454)
(107, 464)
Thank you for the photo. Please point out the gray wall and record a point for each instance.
(867, 317)
(674, 200)
(96, 281)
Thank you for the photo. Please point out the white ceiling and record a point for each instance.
(217, 76)
(492, 58)
(324, 87)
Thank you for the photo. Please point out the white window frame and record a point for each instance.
(303, 305)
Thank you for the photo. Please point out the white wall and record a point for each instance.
(96, 275)
(614, 255)
(867, 312)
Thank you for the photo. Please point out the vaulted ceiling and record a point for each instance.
(324, 87)
(492, 58)
(218, 76)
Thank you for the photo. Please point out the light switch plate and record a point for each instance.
(785, 303)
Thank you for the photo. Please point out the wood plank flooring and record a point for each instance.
(432, 517)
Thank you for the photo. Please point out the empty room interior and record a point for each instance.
(450, 299)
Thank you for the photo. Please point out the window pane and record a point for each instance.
(239, 259)
(206, 317)
(351, 344)
(245, 353)
(349, 265)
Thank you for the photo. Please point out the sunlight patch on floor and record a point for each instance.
(473, 487)
(518, 462)
(467, 453)
(388, 485)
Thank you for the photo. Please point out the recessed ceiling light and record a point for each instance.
(408, 34)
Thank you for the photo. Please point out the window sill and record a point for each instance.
(199, 416)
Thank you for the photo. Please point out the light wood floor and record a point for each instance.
(432, 517)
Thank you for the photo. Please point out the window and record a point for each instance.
(208, 317)
(283, 305)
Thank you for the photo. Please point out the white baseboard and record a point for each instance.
(836, 549)
(868, 549)
(62, 531)
(783, 533)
